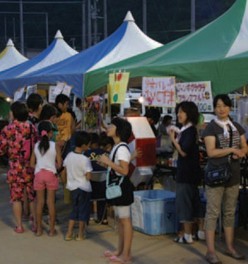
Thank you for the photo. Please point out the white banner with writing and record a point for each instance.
(159, 91)
(197, 92)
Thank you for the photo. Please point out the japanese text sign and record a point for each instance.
(159, 91)
(197, 92)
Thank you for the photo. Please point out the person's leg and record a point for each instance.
(127, 237)
(230, 200)
(40, 200)
(17, 211)
(69, 233)
(81, 230)
(51, 210)
(213, 210)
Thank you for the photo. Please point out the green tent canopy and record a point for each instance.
(218, 52)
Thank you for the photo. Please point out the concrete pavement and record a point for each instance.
(28, 249)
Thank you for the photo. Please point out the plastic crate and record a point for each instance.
(153, 212)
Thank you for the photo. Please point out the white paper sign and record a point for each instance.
(58, 89)
(197, 92)
(159, 91)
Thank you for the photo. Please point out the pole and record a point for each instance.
(95, 21)
(21, 28)
(14, 30)
(83, 26)
(105, 22)
(5, 29)
(89, 23)
(47, 34)
(144, 16)
(192, 26)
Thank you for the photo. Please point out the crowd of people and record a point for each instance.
(45, 145)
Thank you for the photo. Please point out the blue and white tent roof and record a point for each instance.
(10, 57)
(128, 40)
(57, 51)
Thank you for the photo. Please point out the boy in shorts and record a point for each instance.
(77, 176)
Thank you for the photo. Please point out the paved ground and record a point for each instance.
(27, 249)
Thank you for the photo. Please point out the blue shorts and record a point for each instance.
(188, 202)
(80, 205)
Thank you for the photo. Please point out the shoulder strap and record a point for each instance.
(113, 158)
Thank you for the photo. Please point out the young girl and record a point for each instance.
(44, 158)
(120, 130)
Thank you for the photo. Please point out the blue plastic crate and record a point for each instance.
(153, 212)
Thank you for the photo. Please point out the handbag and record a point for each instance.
(113, 190)
(216, 175)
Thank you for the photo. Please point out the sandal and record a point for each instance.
(79, 238)
(212, 259)
(68, 237)
(52, 233)
(38, 233)
(19, 230)
(115, 259)
(108, 254)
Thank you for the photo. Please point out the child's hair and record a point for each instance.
(94, 139)
(44, 128)
(123, 128)
(47, 112)
(34, 101)
(105, 141)
(19, 111)
(82, 138)
(61, 98)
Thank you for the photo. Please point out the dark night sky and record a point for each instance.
(166, 19)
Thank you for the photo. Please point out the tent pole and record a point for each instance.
(192, 26)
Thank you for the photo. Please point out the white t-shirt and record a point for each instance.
(77, 165)
(46, 161)
(122, 153)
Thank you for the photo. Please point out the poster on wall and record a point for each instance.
(117, 87)
(198, 92)
(159, 91)
(54, 90)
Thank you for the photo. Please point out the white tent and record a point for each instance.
(128, 40)
(10, 56)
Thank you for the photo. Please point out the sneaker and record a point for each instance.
(201, 235)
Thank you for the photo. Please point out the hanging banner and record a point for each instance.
(159, 91)
(197, 92)
(118, 87)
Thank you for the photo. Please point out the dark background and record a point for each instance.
(166, 19)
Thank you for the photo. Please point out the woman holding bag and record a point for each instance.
(120, 130)
(217, 136)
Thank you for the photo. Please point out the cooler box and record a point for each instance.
(153, 212)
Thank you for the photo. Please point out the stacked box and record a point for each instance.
(153, 212)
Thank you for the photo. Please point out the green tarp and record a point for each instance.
(217, 52)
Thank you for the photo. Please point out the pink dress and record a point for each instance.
(20, 175)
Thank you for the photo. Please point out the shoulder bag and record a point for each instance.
(216, 175)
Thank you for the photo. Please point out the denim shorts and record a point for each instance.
(188, 202)
(80, 205)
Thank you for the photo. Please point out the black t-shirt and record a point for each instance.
(188, 167)
(213, 129)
